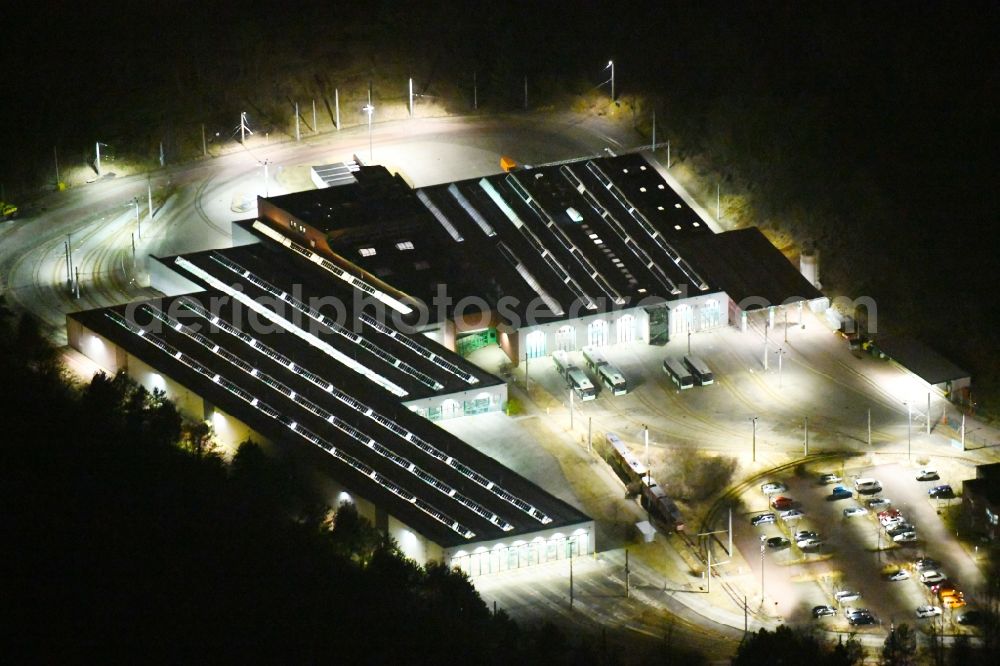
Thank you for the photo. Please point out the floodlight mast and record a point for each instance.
(370, 110)
(611, 66)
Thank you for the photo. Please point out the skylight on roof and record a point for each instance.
(677, 227)
(677, 205)
(404, 245)
(367, 252)
(642, 189)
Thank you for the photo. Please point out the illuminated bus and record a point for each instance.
(594, 358)
(678, 373)
(699, 369)
(561, 360)
(578, 381)
(612, 378)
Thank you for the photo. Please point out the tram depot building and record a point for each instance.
(329, 331)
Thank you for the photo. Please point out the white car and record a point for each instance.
(847, 595)
(905, 537)
(810, 543)
(773, 488)
(892, 521)
(928, 474)
(790, 515)
(879, 503)
(902, 574)
(928, 611)
(855, 511)
(827, 479)
(931, 576)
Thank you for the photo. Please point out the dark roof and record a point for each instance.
(749, 268)
(566, 240)
(295, 395)
(920, 359)
(988, 489)
(341, 316)
(989, 471)
(377, 203)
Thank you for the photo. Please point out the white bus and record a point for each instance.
(578, 381)
(682, 378)
(699, 369)
(612, 378)
(562, 362)
(594, 358)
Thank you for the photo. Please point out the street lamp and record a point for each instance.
(611, 66)
(753, 450)
(369, 108)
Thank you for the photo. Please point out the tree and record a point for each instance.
(900, 647)
(789, 647)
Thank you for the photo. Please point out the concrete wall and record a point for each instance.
(448, 404)
(546, 545)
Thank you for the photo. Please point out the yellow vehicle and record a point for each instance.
(8, 210)
(953, 602)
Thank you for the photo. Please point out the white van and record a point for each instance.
(867, 486)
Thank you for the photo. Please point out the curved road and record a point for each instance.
(196, 202)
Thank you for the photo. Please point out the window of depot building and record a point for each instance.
(404, 245)
(367, 252)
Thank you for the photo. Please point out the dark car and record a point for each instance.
(762, 519)
(941, 491)
(839, 493)
(778, 542)
(861, 619)
(896, 530)
(824, 611)
(971, 617)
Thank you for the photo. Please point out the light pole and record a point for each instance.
(780, 353)
(611, 66)
(369, 109)
(753, 450)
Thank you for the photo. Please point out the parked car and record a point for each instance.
(905, 537)
(941, 492)
(782, 503)
(928, 611)
(850, 512)
(972, 617)
(944, 587)
(889, 513)
(902, 574)
(762, 519)
(861, 619)
(824, 611)
(928, 474)
(878, 503)
(809, 544)
(790, 515)
(847, 595)
(925, 563)
(839, 493)
(899, 528)
(778, 542)
(931, 576)
(890, 522)
(827, 479)
(773, 487)
(806, 534)
(953, 602)
(867, 486)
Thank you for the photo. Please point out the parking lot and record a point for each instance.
(856, 553)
